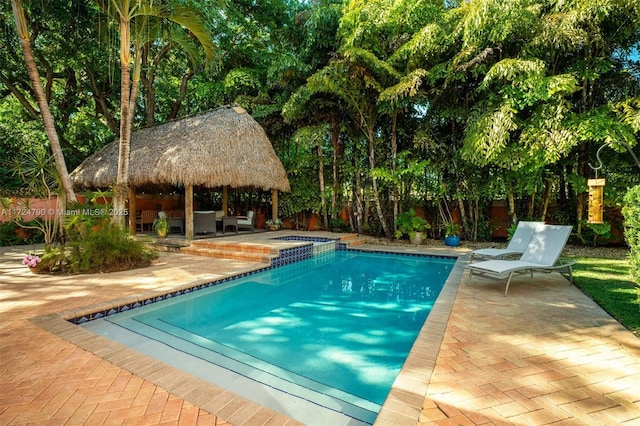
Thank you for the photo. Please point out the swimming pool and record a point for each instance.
(333, 330)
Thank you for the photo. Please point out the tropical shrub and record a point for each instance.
(18, 233)
(631, 212)
(107, 249)
(338, 224)
(597, 233)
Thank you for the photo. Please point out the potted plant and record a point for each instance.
(161, 226)
(451, 234)
(407, 223)
(274, 224)
(33, 261)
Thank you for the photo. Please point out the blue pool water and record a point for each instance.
(334, 329)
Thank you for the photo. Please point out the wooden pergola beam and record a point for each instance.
(188, 212)
(274, 203)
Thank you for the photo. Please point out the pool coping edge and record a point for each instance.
(403, 405)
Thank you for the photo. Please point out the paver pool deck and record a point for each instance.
(546, 354)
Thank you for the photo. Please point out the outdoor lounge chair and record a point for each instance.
(541, 255)
(246, 221)
(517, 245)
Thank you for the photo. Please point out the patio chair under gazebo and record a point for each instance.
(222, 148)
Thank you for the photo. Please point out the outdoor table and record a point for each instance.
(229, 221)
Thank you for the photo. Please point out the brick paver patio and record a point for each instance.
(544, 355)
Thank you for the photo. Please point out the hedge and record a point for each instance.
(631, 212)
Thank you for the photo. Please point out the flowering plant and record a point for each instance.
(31, 260)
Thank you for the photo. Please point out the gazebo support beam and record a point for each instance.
(274, 203)
(225, 200)
(132, 210)
(188, 212)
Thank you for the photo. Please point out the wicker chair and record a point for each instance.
(145, 220)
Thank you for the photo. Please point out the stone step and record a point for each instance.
(346, 238)
(234, 246)
(353, 240)
(229, 254)
(248, 251)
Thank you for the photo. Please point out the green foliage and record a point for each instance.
(451, 229)
(79, 76)
(629, 112)
(631, 212)
(603, 126)
(40, 180)
(241, 80)
(107, 249)
(408, 223)
(597, 232)
(303, 199)
(84, 219)
(338, 224)
(161, 226)
(488, 135)
(18, 233)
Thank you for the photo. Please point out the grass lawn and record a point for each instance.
(608, 282)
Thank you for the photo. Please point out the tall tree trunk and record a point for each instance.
(26, 104)
(335, 142)
(511, 205)
(359, 206)
(121, 187)
(47, 118)
(461, 207)
(581, 196)
(182, 94)
(147, 78)
(374, 183)
(394, 163)
(546, 198)
(101, 106)
(532, 204)
(323, 201)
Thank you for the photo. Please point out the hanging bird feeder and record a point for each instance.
(596, 194)
(596, 200)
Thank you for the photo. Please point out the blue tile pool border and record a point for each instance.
(287, 256)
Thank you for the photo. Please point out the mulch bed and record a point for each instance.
(571, 250)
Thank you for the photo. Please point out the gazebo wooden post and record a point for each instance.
(132, 210)
(274, 203)
(188, 212)
(225, 199)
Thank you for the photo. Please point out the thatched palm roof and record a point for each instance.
(222, 147)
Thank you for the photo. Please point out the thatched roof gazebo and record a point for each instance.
(222, 148)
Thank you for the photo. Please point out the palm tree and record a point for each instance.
(47, 118)
(125, 11)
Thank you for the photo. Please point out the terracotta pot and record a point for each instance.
(417, 238)
(38, 269)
